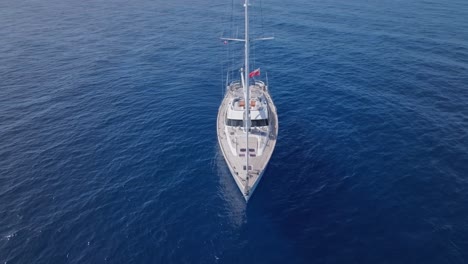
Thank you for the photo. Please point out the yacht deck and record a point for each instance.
(258, 158)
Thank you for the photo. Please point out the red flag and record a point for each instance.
(254, 73)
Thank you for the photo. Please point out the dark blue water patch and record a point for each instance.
(108, 150)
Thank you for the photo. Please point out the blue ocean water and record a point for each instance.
(108, 149)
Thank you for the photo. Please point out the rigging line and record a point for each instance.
(228, 61)
(222, 80)
(227, 25)
(231, 63)
(261, 17)
(226, 73)
(230, 58)
(231, 19)
(252, 43)
(253, 53)
(225, 22)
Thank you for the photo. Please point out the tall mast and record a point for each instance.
(247, 92)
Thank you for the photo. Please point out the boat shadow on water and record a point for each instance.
(303, 185)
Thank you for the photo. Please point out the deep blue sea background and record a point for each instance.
(108, 149)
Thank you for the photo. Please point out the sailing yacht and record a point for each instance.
(247, 123)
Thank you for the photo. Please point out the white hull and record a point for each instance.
(263, 141)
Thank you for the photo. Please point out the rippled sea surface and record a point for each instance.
(108, 149)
